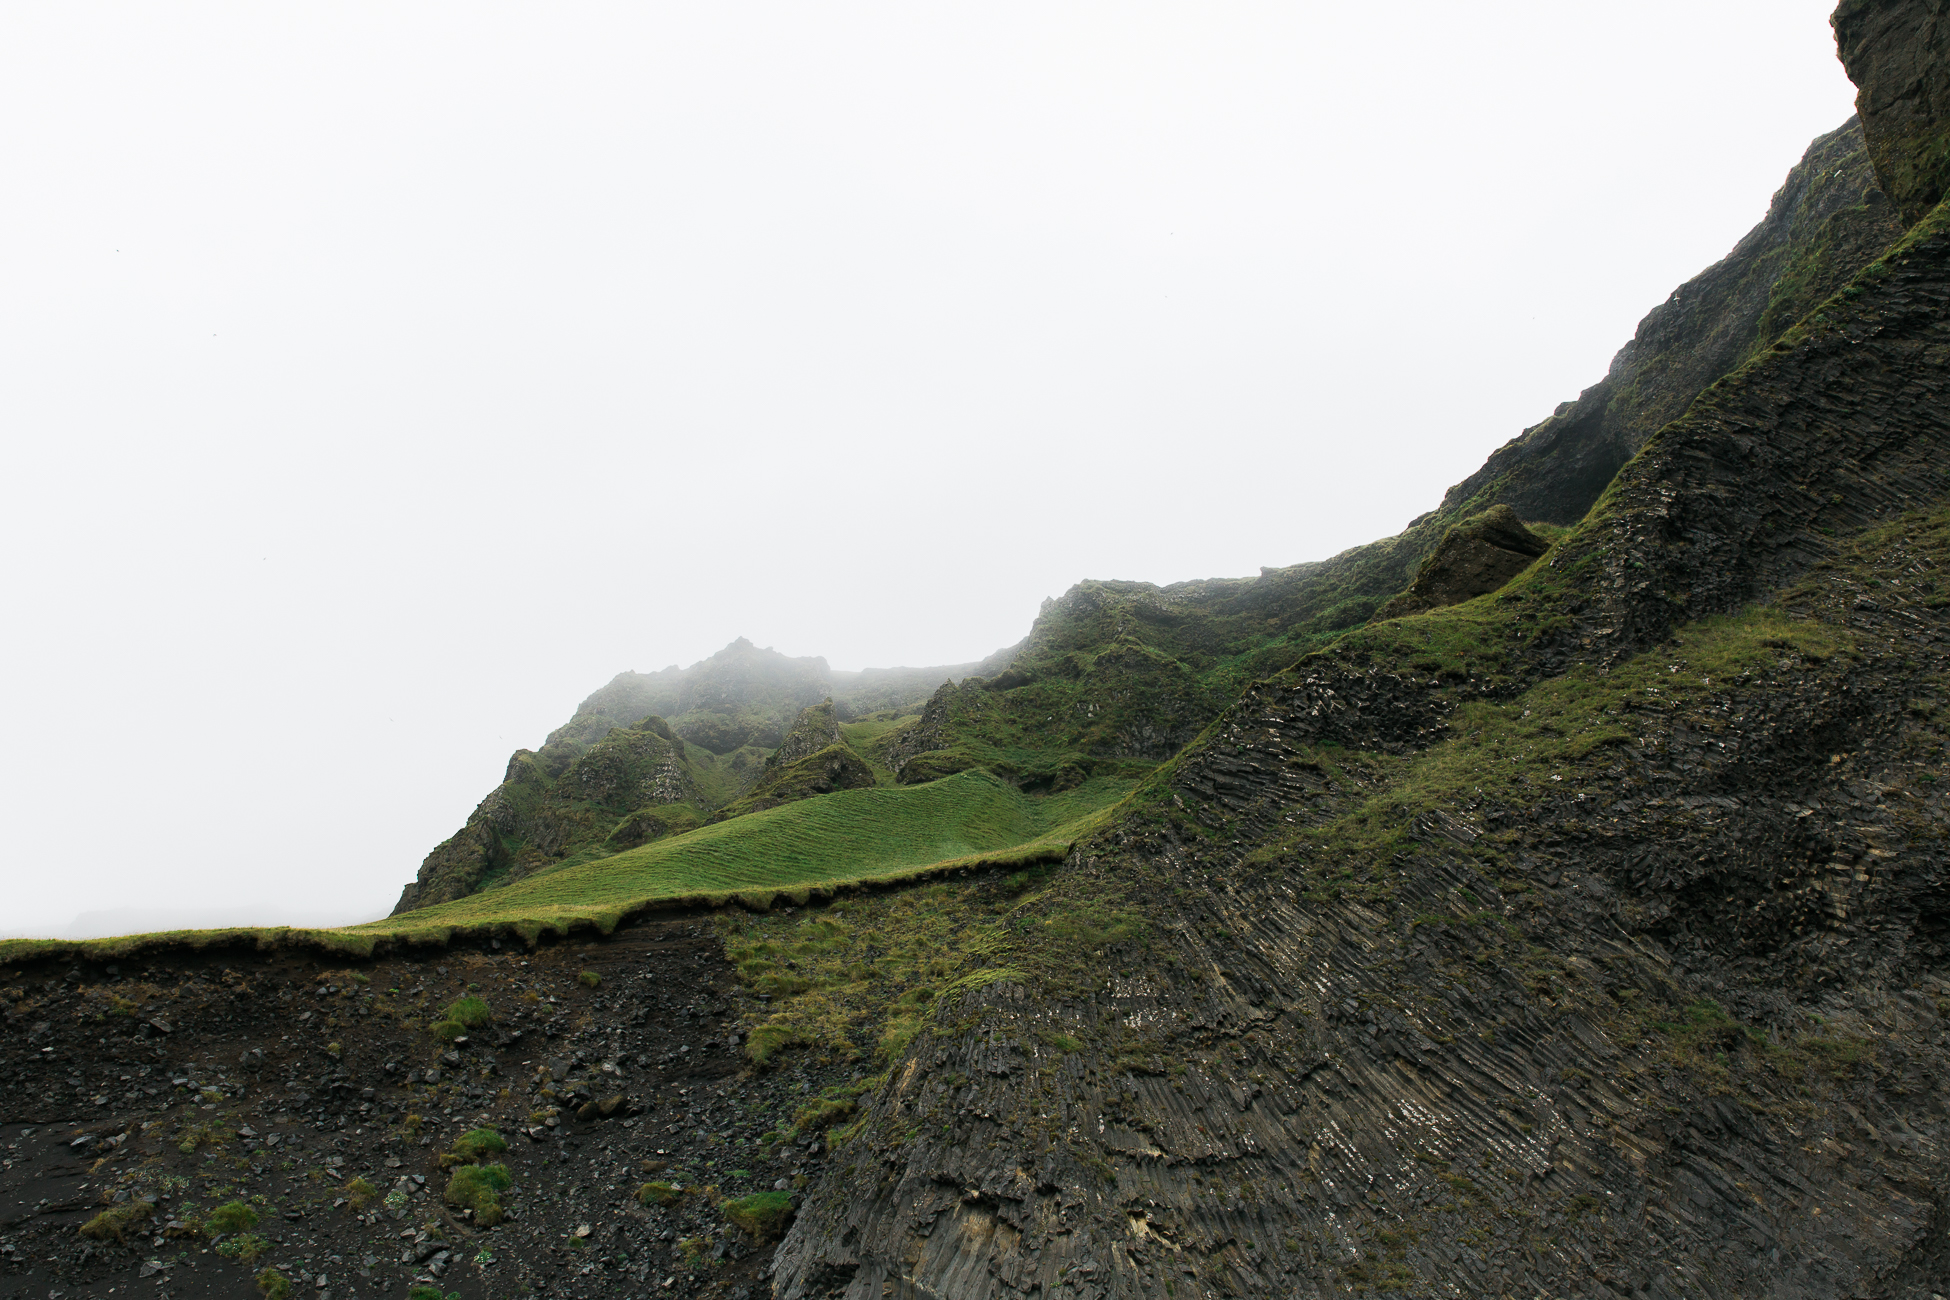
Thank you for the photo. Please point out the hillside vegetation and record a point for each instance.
(816, 844)
(1551, 899)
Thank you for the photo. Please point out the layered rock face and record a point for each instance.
(1897, 53)
(1824, 225)
(1590, 941)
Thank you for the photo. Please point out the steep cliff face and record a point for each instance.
(1583, 938)
(1824, 225)
(1121, 673)
(1897, 53)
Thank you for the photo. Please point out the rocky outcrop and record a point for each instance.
(1897, 53)
(934, 735)
(813, 730)
(633, 785)
(617, 775)
(1822, 227)
(1474, 558)
(1663, 1017)
(812, 760)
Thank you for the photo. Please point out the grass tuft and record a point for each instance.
(765, 1215)
(116, 1224)
(663, 1194)
(478, 1188)
(231, 1216)
(472, 1147)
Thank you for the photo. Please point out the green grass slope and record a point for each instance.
(880, 835)
(848, 836)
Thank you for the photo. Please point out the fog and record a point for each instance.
(382, 379)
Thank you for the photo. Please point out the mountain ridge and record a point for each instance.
(1115, 676)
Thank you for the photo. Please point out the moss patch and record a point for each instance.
(477, 1188)
(764, 1215)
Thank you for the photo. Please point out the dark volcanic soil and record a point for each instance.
(142, 1083)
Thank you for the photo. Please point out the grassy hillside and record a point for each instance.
(851, 835)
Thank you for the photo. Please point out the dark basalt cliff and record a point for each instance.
(1583, 939)
(1825, 224)
(1898, 54)
(1121, 671)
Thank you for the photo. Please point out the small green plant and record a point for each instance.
(359, 1194)
(767, 1040)
(470, 1012)
(821, 1114)
(432, 1292)
(231, 1216)
(117, 1223)
(447, 1030)
(589, 979)
(659, 1194)
(472, 1147)
(765, 1215)
(477, 1188)
(273, 1285)
(246, 1247)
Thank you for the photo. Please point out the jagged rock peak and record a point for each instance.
(1897, 52)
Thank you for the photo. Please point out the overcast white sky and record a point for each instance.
(380, 379)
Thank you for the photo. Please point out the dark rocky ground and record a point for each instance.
(193, 1079)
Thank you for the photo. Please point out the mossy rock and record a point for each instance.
(471, 1012)
(660, 1194)
(1476, 556)
(648, 824)
(764, 1215)
(475, 1146)
(116, 1224)
(360, 1194)
(821, 1114)
(447, 1030)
